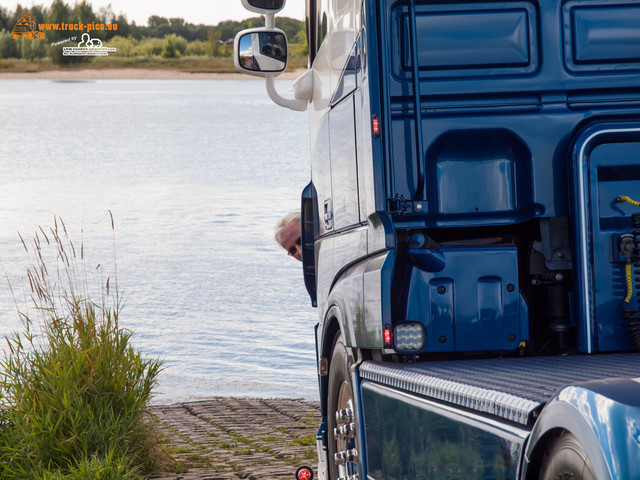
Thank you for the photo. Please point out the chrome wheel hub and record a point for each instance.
(344, 434)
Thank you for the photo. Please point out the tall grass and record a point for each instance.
(73, 391)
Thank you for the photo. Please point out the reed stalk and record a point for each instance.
(74, 392)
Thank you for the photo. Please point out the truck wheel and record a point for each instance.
(343, 455)
(566, 459)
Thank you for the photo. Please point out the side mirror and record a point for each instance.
(263, 6)
(262, 52)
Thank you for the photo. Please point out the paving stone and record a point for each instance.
(227, 438)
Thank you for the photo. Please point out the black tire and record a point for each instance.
(566, 459)
(340, 393)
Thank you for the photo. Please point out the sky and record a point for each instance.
(209, 12)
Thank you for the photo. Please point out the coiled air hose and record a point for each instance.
(632, 315)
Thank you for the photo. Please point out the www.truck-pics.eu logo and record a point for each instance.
(27, 27)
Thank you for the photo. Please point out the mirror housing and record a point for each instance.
(262, 52)
(263, 6)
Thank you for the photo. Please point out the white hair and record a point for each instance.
(283, 222)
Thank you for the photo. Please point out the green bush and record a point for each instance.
(74, 393)
(169, 49)
(30, 49)
(8, 45)
(180, 43)
(197, 48)
(125, 46)
(298, 45)
(173, 46)
(149, 47)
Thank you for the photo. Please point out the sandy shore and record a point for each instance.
(136, 74)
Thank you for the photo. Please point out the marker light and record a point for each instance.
(375, 123)
(409, 337)
(304, 473)
(386, 336)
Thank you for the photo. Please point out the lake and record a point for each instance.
(195, 173)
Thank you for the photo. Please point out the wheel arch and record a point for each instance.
(534, 463)
(560, 414)
(331, 328)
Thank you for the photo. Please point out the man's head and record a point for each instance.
(287, 233)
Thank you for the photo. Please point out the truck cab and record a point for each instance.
(471, 236)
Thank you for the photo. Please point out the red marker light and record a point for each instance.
(375, 123)
(304, 473)
(387, 336)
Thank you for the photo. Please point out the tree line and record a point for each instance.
(165, 37)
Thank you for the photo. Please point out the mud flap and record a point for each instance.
(321, 445)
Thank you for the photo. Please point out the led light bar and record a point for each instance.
(409, 337)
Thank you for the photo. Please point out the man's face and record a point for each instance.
(290, 240)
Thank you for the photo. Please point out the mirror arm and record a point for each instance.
(291, 103)
(269, 20)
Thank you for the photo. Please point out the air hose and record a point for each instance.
(624, 198)
(632, 252)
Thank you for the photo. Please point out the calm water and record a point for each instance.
(196, 173)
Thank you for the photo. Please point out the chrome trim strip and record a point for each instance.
(583, 222)
(504, 405)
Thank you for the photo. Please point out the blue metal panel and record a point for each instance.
(472, 304)
(456, 40)
(441, 316)
(408, 437)
(556, 73)
(476, 173)
(462, 87)
(602, 37)
(605, 163)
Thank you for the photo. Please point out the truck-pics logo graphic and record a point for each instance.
(88, 47)
(26, 27)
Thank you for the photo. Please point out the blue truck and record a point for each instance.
(471, 233)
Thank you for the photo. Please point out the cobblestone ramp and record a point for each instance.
(231, 438)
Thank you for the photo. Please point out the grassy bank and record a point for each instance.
(74, 393)
(184, 64)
